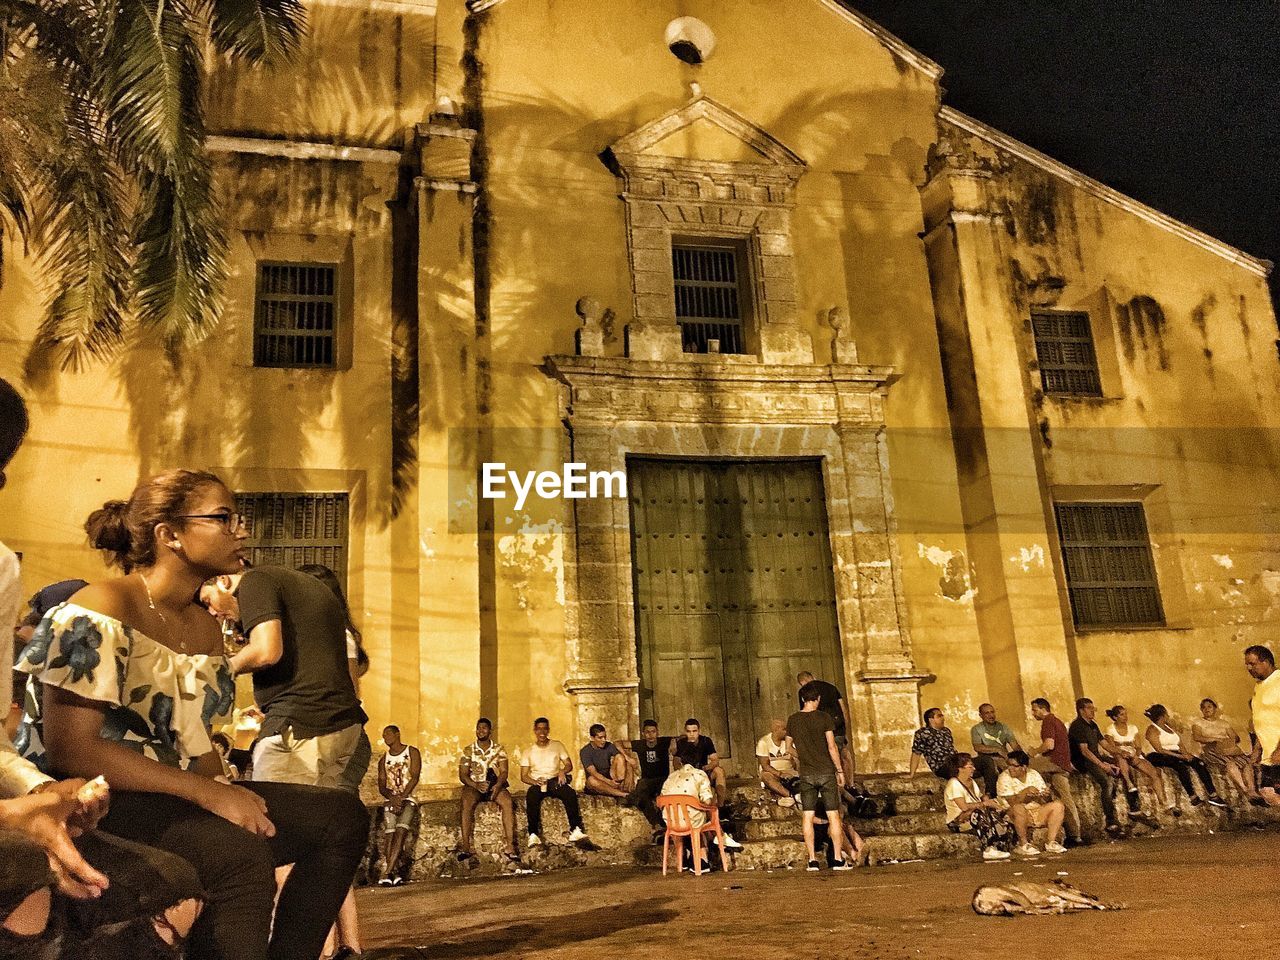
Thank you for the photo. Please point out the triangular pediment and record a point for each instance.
(705, 130)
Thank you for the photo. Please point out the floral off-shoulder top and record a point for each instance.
(158, 702)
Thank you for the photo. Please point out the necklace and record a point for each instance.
(159, 613)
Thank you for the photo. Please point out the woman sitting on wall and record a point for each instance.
(1164, 749)
(968, 811)
(1221, 748)
(133, 672)
(1122, 738)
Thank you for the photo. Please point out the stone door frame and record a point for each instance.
(706, 408)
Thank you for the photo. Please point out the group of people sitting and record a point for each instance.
(799, 759)
(1003, 790)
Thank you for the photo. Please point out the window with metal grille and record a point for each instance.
(1111, 576)
(290, 529)
(708, 297)
(296, 315)
(1064, 349)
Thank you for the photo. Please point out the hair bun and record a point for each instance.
(108, 530)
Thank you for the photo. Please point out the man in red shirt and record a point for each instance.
(1052, 759)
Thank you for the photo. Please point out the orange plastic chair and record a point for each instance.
(677, 807)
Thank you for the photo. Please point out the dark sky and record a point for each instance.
(1175, 103)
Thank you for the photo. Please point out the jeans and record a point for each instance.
(321, 831)
(562, 792)
(357, 766)
(116, 926)
(1106, 787)
(1183, 769)
(643, 796)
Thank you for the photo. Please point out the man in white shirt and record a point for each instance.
(1261, 664)
(545, 767)
(1030, 805)
(776, 755)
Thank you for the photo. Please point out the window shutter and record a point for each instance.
(1065, 354)
(290, 529)
(1111, 576)
(708, 297)
(295, 315)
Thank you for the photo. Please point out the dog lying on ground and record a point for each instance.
(1029, 897)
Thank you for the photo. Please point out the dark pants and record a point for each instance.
(116, 926)
(562, 792)
(644, 796)
(1106, 787)
(1183, 770)
(321, 831)
(987, 768)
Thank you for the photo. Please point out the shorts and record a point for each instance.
(315, 761)
(824, 787)
(1271, 776)
(392, 821)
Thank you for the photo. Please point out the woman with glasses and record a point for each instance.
(968, 811)
(133, 671)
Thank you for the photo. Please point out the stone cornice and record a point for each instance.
(612, 389)
(301, 150)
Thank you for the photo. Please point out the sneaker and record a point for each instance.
(1115, 830)
(842, 865)
(1257, 801)
(1079, 842)
(1027, 850)
(812, 867)
(1054, 847)
(786, 802)
(1196, 801)
(1147, 819)
(991, 853)
(397, 881)
(534, 841)
(730, 843)
(575, 835)
(387, 882)
(1217, 801)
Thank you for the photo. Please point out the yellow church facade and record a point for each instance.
(896, 398)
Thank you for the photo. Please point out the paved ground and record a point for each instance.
(1202, 897)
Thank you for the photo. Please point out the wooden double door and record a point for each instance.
(734, 593)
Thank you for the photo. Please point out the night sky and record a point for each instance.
(1176, 103)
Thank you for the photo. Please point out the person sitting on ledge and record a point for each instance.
(1030, 805)
(545, 766)
(483, 770)
(968, 811)
(706, 758)
(776, 754)
(605, 766)
(1164, 749)
(398, 774)
(933, 744)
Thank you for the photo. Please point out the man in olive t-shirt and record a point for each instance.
(297, 652)
(821, 776)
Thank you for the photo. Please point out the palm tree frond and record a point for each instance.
(258, 31)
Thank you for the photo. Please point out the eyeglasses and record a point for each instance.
(231, 522)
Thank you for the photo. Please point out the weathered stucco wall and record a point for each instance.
(1185, 335)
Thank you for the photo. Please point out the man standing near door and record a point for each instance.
(831, 702)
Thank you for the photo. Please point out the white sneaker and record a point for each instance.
(730, 843)
(534, 841)
(1054, 847)
(991, 853)
(576, 834)
(1027, 850)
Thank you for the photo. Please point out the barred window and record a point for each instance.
(709, 301)
(1064, 350)
(295, 315)
(1111, 575)
(290, 529)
